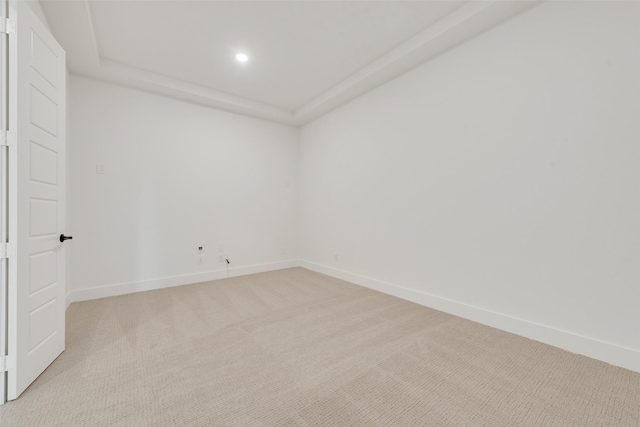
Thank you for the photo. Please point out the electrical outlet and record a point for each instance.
(335, 257)
(221, 258)
(200, 260)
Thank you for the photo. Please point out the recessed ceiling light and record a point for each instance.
(242, 57)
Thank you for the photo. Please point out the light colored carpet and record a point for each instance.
(294, 347)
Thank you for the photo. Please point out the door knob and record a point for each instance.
(63, 238)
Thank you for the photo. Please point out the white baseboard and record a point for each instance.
(167, 282)
(607, 352)
(68, 300)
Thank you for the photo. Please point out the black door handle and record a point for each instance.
(63, 238)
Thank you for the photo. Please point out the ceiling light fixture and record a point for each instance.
(242, 57)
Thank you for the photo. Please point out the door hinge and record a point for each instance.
(7, 250)
(7, 138)
(7, 26)
(7, 364)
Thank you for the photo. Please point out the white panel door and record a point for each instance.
(3, 204)
(37, 90)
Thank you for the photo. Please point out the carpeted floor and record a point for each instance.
(294, 347)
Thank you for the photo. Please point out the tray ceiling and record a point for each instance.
(305, 57)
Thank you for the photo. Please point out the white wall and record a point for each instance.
(37, 9)
(499, 181)
(177, 176)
